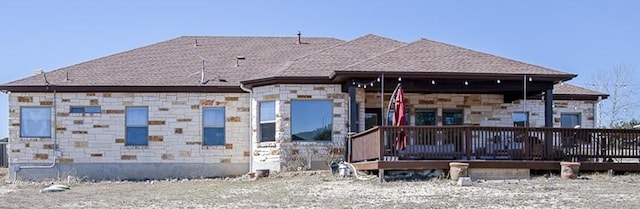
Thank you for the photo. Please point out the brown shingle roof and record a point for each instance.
(324, 62)
(434, 57)
(569, 89)
(177, 62)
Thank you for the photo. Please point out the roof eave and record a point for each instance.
(287, 80)
(220, 89)
(343, 75)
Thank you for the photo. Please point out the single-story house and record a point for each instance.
(204, 106)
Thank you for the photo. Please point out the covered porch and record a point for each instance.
(433, 147)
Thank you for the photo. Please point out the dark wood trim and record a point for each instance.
(591, 97)
(345, 75)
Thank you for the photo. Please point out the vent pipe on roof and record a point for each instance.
(238, 58)
(299, 40)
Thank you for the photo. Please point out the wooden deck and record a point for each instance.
(430, 147)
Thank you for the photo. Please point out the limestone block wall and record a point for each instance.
(281, 154)
(486, 109)
(175, 128)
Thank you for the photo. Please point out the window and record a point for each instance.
(371, 117)
(268, 121)
(87, 109)
(35, 122)
(570, 120)
(213, 125)
(452, 117)
(370, 120)
(425, 117)
(520, 119)
(137, 120)
(390, 117)
(311, 120)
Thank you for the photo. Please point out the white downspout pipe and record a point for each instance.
(55, 143)
(250, 123)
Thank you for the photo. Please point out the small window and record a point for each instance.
(520, 119)
(311, 120)
(370, 120)
(371, 117)
(137, 121)
(268, 121)
(35, 122)
(87, 109)
(426, 117)
(452, 117)
(570, 120)
(213, 126)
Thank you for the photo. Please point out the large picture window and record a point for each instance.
(268, 121)
(213, 126)
(570, 120)
(311, 120)
(137, 121)
(35, 122)
(520, 119)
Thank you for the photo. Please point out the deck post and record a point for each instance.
(381, 175)
(467, 143)
(353, 110)
(548, 122)
(353, 118)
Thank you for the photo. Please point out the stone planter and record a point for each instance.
(457, 170)
(569, 170)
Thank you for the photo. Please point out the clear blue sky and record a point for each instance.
(574, 36)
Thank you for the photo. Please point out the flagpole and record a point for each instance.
(382, 116)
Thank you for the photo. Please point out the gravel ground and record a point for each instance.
(319, 189)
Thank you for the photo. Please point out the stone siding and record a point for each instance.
(486, 109)
(279, 155)
(175, 129)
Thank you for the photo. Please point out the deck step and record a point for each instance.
(499, 173)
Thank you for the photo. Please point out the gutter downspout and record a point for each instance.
(250, 128)
(55, 142)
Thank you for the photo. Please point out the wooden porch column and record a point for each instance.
(548, 108)
(548, 122)
(353, 125)
(353, 110)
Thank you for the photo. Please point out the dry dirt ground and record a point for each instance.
(320, 189)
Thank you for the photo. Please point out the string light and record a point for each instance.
(366, 84)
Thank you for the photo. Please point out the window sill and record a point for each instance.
(216, 147)
(35, 138)
(136, 146)
(266, 144)
(312, 142)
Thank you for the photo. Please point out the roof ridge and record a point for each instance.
(340, 44)
(291, 62)
(491, 55)
(383, 53)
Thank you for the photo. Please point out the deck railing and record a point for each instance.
(494, 143)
